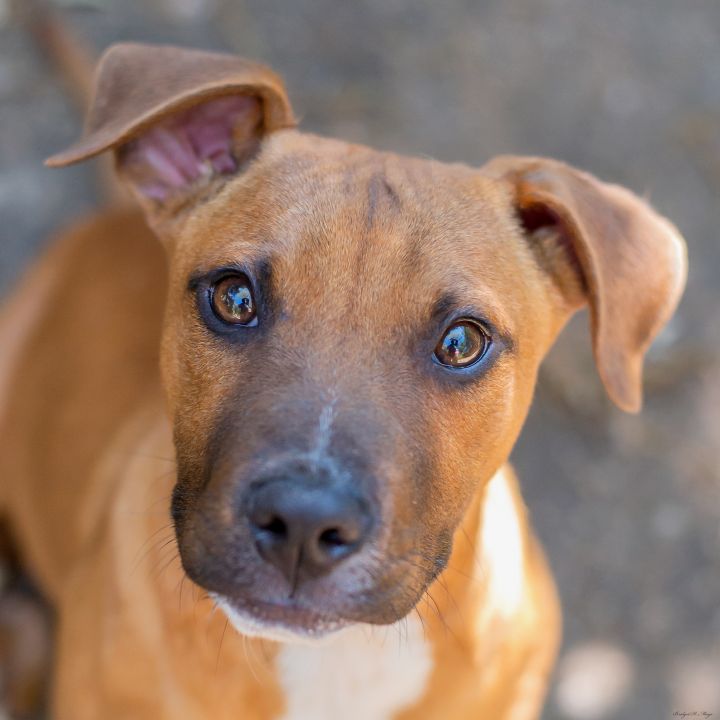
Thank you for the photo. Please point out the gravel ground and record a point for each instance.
(627, 506)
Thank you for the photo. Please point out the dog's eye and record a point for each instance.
(232, 300)
(463, 344)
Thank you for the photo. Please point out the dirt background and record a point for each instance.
(627, 506)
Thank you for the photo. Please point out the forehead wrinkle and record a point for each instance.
(382, 198)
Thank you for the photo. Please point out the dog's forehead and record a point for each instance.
(344, 219)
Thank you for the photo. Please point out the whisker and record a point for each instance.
(144, 456)
(222, 638)
(246, 641)
(151, 544)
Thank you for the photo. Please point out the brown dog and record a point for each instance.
(347, 342)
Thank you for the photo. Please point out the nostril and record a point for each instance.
(332, 537)
(275, 525)
(338, 541)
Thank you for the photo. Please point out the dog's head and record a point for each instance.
(352, 338)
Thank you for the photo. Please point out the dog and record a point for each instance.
(319, 372)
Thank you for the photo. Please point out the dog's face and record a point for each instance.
(340, 323)
(352, 339)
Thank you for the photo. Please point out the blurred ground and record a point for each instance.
(628, 507)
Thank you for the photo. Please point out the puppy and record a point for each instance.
(319, 371)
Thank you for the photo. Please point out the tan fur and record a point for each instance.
(96, 408)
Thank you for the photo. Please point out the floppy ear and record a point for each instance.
(629, 263)
(179, 120)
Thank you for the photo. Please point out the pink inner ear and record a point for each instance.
(196, 143)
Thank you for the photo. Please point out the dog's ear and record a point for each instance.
(605, 247)
(178, 120)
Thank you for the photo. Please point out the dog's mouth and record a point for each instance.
(283, 622)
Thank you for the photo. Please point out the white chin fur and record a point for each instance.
(247, 624)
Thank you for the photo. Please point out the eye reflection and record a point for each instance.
(462, 344)
(233, 302)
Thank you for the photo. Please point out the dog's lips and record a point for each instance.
(277, 621)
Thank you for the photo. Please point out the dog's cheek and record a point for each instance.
(199, 373)
(474, 429)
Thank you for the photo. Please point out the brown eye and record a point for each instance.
(462, 344)
(232, 301)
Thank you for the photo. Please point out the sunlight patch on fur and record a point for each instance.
(501, 547)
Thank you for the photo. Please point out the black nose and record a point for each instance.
(305, 530)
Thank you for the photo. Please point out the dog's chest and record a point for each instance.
(363, 674)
